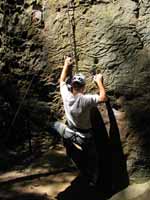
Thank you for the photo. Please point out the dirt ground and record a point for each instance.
(41, 178)
(46, 174)
(49, 176)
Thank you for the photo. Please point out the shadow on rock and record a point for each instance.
(112, 165)
(13, 195)
(80, 190)
(104, 151)
(120, 179)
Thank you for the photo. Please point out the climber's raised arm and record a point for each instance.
(67, 66)
(102, 92)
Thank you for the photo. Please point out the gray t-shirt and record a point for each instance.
(77, 108)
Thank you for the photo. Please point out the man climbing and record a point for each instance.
(77, 107)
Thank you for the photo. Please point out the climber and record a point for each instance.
(77, 107)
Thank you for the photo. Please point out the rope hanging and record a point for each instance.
(71, 18)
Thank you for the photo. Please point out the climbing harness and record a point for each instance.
(72, 36)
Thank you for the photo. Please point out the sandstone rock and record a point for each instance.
(21, 53)
(1, 20)
(37, 15)
(134, 192)
(116, 34)
(113, 36)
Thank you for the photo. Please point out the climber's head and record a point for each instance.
(78, 82)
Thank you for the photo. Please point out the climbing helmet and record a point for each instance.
(78, 78)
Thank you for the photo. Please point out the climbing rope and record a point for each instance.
(72, 35)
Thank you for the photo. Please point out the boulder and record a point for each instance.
(134, 192)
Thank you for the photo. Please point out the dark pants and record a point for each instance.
(87, 147)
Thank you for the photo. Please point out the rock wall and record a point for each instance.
(23, 96)
(113, 37)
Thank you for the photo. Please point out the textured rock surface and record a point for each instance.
(134, 192)
(22, 63)
(111, 35)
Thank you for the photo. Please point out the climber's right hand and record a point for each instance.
(98, 77)
(68, 61)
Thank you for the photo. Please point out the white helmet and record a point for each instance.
(78, 78)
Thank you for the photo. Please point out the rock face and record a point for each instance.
(134, 192)
(22, 60)
(111, 36)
